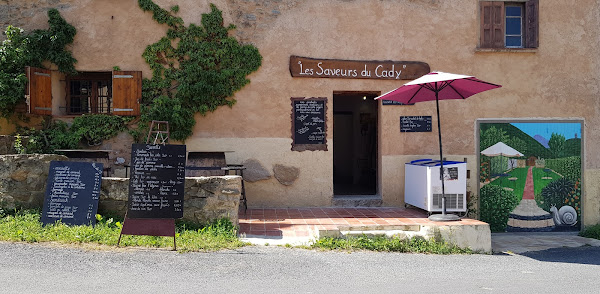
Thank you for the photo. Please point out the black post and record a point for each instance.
(443, 216)
(437, 106)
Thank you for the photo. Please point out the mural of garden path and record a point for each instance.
(528, 216)
(528, 190)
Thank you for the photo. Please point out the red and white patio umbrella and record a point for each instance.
(439, 86)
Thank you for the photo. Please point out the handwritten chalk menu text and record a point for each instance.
(72, 193)
(308, 124)
(415, 124)
(157, 181)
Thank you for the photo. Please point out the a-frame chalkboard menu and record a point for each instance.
(156, 191)
(309, 128)
(157, 181)
(72, 193)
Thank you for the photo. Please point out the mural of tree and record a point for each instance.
(557, 145)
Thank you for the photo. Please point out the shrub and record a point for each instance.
(591, 232)
(58, 135)
(561, 192)
(485, 172)
(97, 127)
(568, 167)
(554, 193)
(496, 204)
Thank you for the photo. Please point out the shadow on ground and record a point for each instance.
(582, 255)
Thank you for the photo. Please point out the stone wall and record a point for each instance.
(23, 178)
(7, 145)
(205, 198)
(23, 183)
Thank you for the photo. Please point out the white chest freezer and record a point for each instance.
(423, 187)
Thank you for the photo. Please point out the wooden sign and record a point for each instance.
(415, 124)
(309, 116)
(305, 67)
(72, 193)
(157, 181)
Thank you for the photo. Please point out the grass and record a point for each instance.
(386, 244)
(25, 226)
(521, 174)
(591, 232)
(539, 183)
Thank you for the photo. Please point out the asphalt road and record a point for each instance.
(36, 268)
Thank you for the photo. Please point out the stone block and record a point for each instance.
(255, 171)
(286, 175)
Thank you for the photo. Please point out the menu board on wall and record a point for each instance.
(72, 193)
(157, 181)
(309, 129)
(415, 124)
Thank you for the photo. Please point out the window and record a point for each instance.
(89, 93)
(509, 24)
(117, 92)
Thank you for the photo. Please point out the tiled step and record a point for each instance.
(357, 201)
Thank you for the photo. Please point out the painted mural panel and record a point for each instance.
(530, 176)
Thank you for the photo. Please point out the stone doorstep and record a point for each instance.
(476, 237)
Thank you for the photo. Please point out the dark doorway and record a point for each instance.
(354, 143)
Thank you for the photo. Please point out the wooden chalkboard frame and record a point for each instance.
(309, 147)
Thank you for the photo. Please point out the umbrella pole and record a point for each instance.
(437, 107)
(443, 216)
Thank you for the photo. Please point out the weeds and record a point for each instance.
(379, 243)
(591, 232)
(25, 226)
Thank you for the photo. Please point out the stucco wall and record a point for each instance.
(557, 80)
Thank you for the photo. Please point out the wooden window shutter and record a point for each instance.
(127, 92)
(39, 89)
(532, 24)
(492, 24)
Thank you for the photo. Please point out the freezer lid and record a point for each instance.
(430, 162)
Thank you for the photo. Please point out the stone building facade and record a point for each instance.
(553, 77)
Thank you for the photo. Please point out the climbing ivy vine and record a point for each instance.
(195, 69)
(20, 50)
(90, 129)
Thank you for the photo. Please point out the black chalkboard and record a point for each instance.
(415, 124)
(72, 193)
(157, 181)
(309, 124)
